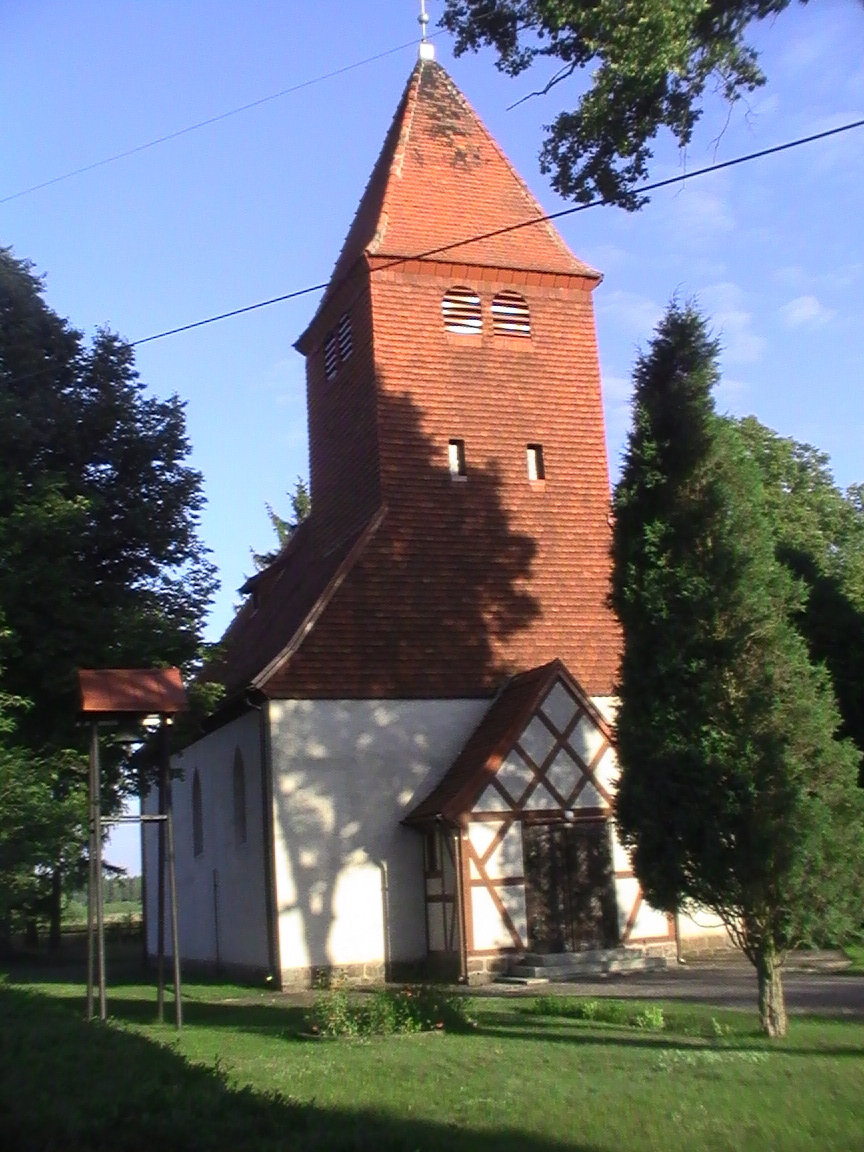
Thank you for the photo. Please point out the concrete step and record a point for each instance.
(562, 967)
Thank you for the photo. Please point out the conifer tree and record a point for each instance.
(735, 794)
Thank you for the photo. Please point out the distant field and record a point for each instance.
(244, 1075)
(116, 912)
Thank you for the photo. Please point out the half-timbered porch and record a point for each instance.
(520, 852)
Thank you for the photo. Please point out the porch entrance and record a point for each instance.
(569, 886)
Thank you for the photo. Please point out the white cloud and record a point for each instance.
(805, 312)
(732, 321)
(635, 312)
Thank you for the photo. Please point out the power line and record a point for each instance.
(596, 203)
(205, 123)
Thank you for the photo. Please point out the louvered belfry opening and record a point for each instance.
(462, 313)
(331, 357)
(344, 337)
(510, 315)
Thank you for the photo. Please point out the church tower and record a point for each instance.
(413, 759)
(456, 427)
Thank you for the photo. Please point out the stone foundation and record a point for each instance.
(484, 969)
(353, 975)
(708, 947)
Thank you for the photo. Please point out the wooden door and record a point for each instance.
(569, 887)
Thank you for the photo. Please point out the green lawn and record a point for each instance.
(242, 1076)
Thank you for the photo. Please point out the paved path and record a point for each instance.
(730, 985)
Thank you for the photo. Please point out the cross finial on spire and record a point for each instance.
(427, 51)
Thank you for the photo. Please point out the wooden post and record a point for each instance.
(91, 869)
(160, 894)
(97, 869)
(175, 939)
(460, 908)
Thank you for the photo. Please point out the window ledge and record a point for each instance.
(537, 485)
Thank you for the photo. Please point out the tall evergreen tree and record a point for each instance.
(301, 506)
(735, 794)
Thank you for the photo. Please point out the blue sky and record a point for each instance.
(258, 204)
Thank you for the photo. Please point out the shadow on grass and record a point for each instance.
(68, 1085)
(557, 1031)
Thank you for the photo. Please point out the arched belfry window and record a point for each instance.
(239, 789)
(197, 816)
(462, 313)
(510, 315)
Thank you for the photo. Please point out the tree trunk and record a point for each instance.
(55, 906)
(772, 1006)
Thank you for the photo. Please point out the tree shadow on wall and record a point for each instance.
(438, 608)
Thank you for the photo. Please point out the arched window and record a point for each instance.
(462, 313)
(510, 315)
(197, 816)
(239, 789)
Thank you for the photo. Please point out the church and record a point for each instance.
(413, 765)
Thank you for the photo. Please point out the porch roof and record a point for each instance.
(492, 740)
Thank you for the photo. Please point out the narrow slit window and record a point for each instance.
(197, 817)
(536, 469)
(331, 357)
(456, 459)
(462, 313)
(344, 337)
(510, 315)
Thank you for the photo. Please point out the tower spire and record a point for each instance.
(427, 50)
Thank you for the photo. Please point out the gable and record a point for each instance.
(541, 747)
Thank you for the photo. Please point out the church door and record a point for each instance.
(569, 887)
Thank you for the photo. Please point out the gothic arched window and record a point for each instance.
(197, 816)
(239, 790)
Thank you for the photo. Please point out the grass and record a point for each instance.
(855, 952)
(539, 1074)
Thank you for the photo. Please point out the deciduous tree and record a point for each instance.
(101, 561)
(735, 792)
(650, 61)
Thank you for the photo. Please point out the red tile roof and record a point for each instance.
(468, 583)
(493, 739)
(441, 179)
(108, 691)
(288, 598)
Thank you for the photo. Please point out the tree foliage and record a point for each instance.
(650, 61)
(819, 536)
(735, 793)
(36, 830)
(301, 506)
(101, 562)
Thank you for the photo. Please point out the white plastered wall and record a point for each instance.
(349, 875)
(237, 901)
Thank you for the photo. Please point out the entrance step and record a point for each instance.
(561, 967)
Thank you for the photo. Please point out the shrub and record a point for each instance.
(387, 1012)
(619, 1012)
